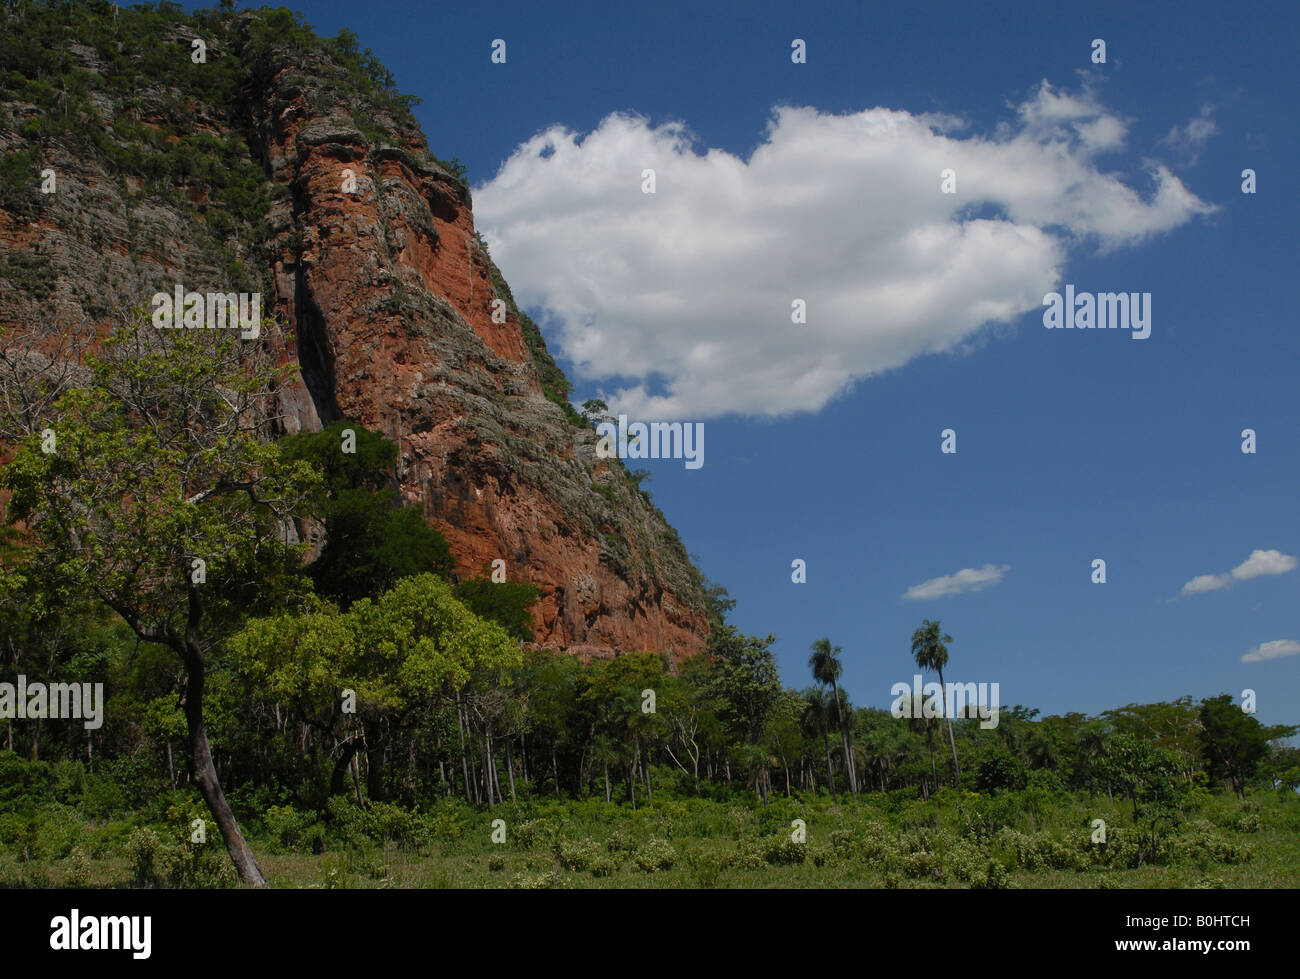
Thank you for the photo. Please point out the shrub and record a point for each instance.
(78, 868)
(620, 841)
(577, 855)
(603, 865)
(144, 852)
(655, 854)
(996, 877)
(535, 833)
(705, 868)
(782, 851)
(291, 830)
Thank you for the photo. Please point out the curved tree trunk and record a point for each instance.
(205, 773)
(349, 748)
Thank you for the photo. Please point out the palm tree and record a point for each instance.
(815, 721)
(826, 668)
(930, 651)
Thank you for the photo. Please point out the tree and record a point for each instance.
(164, 500)
(930, 651)
(1234, 743)
(595, 411)
(824, 662)
(371, 540)
(508, 603)
(413, 644)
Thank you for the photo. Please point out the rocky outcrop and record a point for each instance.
(382, 292)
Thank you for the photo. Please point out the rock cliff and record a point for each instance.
(287, 164)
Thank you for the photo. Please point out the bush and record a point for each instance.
(620, 841)
(577, 855)
(292, 831)
(655, 854)
(603, 865)
(705, 868)
(202, 865)
(535, 833)
(996, 877)
(1201, 842)
(542, 881)
(145, 853)
(783, 851)
(79, 873)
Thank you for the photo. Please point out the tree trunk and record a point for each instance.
(464, 754)
(510, 769)
(374, 762)
(608, 798)
(348, 749)
(645, 767)
(205, 773)
(929, 740)
(830, 772)
(943, 692)
(849, 767)
(555, 770)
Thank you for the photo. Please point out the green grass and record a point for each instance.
(955, 840)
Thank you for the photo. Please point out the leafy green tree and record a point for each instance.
(370, 539)
(165, 501)
(508, 603)
(395, 653)
(1233, 742)
(930, 651)
(1143, 771)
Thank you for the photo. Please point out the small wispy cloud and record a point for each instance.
(965, 580)
(1188, 140)
(1259, 563)
(1272, 650)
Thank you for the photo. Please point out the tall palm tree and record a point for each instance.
(816, 719)
(930, 650)
(826, 668)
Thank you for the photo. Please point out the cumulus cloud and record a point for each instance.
(1189, 139)
(1264, 562)
(678, 304)
(1259, 563)
(1272, 650)
(965, 580)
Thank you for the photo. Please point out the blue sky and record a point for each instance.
(1071, 445)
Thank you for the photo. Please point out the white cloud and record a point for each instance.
(965, 580)
(1207, 582)
(1272, 650)
(1259, 563)
(678, 304)
(1264, 562)
(1189, 139)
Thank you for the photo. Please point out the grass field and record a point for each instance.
(1026, 839)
